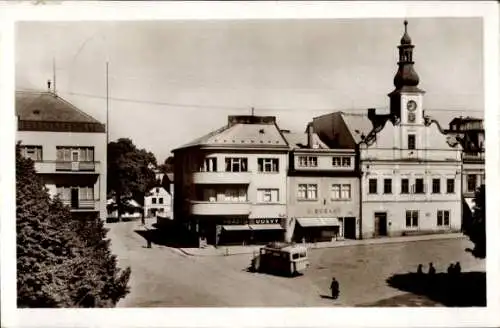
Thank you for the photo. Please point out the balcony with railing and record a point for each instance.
(219, 208)
(221, 177)
(83, 205)
(47, 167)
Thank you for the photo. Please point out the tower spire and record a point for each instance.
(406, 75)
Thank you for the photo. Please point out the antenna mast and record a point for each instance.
(54, 73)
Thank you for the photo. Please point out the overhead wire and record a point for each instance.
(225, 107)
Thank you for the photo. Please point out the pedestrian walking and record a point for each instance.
(451, 269)
(334, 287)
(458, 269)
(420, 269)
(432, 270)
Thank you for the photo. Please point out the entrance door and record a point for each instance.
(350, 228)
(381, 224)
(74, 198)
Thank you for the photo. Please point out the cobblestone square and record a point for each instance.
(166, 277)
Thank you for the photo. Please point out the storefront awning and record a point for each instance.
(236, 227)
(266, 227)
(318, 222)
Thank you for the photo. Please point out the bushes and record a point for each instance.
(61, 262)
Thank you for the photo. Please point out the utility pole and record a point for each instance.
(253, 109)
(107, 104)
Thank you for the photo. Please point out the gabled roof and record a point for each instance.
(299, 140)
(359, 125)
(45, 111)
(242, 135)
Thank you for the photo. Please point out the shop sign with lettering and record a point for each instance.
(266, 221)
(235, 221)
(322, 211)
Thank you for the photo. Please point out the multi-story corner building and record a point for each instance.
(68, 148)
(410, 169)
(470, 133)
(323, 190)
(230, 185)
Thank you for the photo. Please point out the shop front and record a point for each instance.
(245, 231)
(311, 229)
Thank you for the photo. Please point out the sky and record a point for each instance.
(173, 81)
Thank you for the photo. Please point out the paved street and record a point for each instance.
(165, 277)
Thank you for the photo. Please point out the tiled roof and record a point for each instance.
(299, 140)
(242, 135)
(45, 106)
(357, 124)
(44, 111)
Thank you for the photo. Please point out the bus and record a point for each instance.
(281, 258)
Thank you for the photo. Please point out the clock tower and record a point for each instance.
(407, 99)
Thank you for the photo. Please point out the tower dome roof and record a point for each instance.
(406, 38)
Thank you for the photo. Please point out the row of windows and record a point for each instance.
(337, 192)
(412, 217)
(418, 188)
(240, 164)
(155, 199)
(235, 195)
(312, 161)
(63, 154)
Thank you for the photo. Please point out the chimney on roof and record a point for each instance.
(310, 133)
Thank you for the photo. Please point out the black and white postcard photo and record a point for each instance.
(330, 163)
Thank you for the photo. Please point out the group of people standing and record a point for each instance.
(453, 269)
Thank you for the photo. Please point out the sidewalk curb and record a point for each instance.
(364, 242)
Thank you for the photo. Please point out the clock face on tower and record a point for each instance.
(411, 105)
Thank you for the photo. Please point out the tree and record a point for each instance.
(476, 229)
(61, 261)
(130, 173)
(168, 165)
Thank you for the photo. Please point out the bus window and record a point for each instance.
(295, 256)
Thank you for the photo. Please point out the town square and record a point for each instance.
(253, 163)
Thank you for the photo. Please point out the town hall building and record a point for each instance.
(410, 170)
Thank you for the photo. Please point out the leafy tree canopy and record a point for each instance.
(168, 165)
(61, 261)
(130, 172)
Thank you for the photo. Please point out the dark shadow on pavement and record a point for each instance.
(328, 297)
(464, 289)
(170, 236)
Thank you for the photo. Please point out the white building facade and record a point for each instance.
(411, 170)
(230, 185)
(323, 191)
(68, 148)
